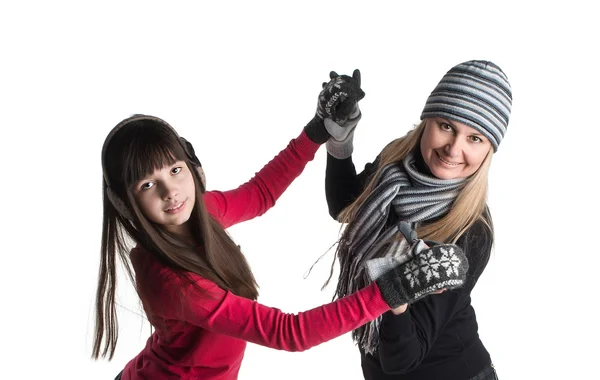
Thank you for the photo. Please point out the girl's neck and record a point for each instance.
(184, 233)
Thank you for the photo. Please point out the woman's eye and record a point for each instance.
(445, 127)
(476, 139)
(176, 170)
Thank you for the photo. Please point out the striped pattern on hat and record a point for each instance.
(475, 93)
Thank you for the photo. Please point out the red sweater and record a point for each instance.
(209, 339)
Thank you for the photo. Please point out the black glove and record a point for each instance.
(428, 269)
(337, 101)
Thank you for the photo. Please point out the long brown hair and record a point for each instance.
(134, 151)
(468, 207)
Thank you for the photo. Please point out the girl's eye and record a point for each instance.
(176, 170)
(476, 139)
(147, 185)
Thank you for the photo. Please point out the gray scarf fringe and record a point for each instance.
(414, 197)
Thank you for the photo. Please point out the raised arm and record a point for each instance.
(261, 192)
(342, 184)
(256, 196)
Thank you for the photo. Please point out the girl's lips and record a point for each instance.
(175, 208)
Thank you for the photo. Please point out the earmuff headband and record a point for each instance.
(112, 196)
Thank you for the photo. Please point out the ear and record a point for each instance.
(202, 177)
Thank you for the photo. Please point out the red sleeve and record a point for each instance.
(223, 312)
(260, 193)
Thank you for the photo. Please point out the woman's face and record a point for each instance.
(451, 149)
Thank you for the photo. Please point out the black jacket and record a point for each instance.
(436, 338)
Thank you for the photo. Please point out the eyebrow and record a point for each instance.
(446, 121)
(450, 123)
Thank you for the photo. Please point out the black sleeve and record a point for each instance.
(342, 184)
(405, 339)
(477, 244)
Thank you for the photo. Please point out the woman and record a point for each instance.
(434, 178)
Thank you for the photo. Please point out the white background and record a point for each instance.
(240, 79)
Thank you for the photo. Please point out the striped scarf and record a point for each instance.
(414, 197)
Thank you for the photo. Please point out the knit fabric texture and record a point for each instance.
(341, 145)
(434, 268)
(476, 93)
(414, 197)
(409, 274)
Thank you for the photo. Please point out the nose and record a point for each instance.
(169, 191)
(454, 147)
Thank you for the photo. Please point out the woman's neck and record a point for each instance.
(420, 162)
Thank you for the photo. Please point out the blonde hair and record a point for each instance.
(468, 207)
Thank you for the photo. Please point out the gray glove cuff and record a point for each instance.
(340, 149)
(340, 145)
(341, 129)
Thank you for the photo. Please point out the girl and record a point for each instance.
(195, 285)
(435, 178)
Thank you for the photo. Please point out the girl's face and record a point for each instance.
(167, 196)
(451, 149)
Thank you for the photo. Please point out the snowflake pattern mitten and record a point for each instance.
(406, 279)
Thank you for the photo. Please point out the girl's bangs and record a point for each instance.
(151, 150)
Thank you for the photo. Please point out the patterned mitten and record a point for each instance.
(409, 277)
(336, 101)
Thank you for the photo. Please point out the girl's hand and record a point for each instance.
(439, 291)
(400, 309)
(337, 101)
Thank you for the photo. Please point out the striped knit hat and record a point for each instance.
(476, 93)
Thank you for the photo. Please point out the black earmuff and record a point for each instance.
(189, 150)
(116, 201)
